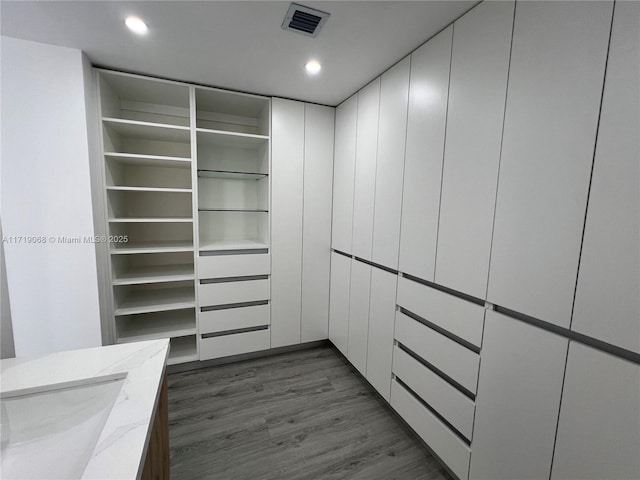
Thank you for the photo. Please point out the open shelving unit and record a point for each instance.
(153, 297)
(232, 145)
(232, 155)
(175, 323)
(186, 173)
(146, 138)
(183, 349)
(152, 268)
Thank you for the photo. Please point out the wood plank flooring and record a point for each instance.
(300, 415)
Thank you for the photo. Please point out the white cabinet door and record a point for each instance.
(599, 424)
(287, 153)
(339, 301)
(427, 116)
(555, 85)
(359, 315)
(343, 174)
(519, 387)
(365, 175)
(479, 67)
(382, 311)
(392, 131)
(316, 232)
(607, 303)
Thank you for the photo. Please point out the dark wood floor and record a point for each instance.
(299, 415)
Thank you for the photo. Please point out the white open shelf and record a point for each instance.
(151, 247)
(205, 173)
(120, 188)
(145, 173)
(148, 160)
(182, 349)
(249, 210)
(143, 206)
(151, 220)
(177, 323)
(134, 97)
(232, 111)
(221, 138)
(148, 130)
(242, 244)
(156, 301)
(154, 274)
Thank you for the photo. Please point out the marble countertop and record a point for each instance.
(132, 373)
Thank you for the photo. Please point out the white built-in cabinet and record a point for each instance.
(477, 91)
(316, 224)
(392, 129)
(148, 206)
(382, 309)
(607, 304)
(339, 297)
(361, 319)
(435, 367)
(302, 166)
(368, 105)
(599, 424)
(469, 166)
(286, 220)
(518, 400)
(553, 100)
(344, 162)
(426, 120)
(207, 235)
(358, 324)
(231, 148)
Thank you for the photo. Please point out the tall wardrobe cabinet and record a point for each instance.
(477, 93)
(218, 211)
(302, 165)
(553, 102)
(607, 303)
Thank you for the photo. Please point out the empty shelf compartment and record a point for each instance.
(151, 326)
(132, 97)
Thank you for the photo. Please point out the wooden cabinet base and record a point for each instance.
(156, 465)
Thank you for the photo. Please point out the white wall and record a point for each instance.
(7, 349)
(46, 192)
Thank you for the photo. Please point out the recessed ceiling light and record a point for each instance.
(136, 25)
(313, 67)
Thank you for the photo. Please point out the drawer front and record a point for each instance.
(233, 292)
(453, 451)
(454, 406)
(234, 344)
(454, 360)
(220, 266)
(460, 317)
(232, 318)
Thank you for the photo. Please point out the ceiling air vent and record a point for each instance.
(304, 20)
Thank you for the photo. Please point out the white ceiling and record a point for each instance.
(238, 44)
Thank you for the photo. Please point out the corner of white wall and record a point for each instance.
(45, 197)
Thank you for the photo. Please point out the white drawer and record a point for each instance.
(454, 360)
(446, 444)
(460, 317)
(232, 318)
(234, 344)
(223, 293)
(220, 266)
(454, 406)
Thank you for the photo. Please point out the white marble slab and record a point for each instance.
(121, 446)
